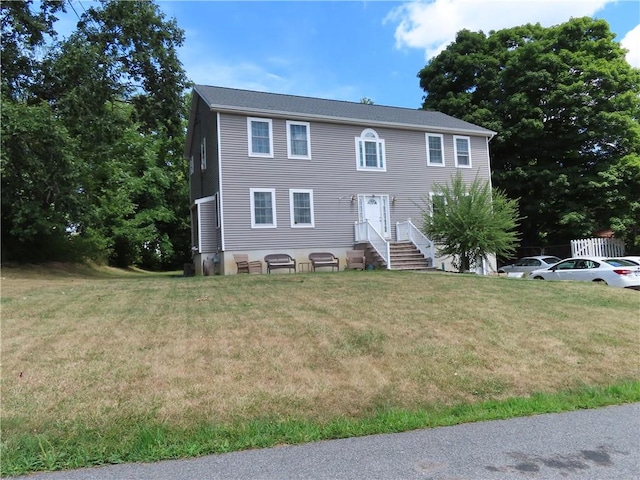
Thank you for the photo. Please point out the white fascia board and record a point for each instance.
(346, 121)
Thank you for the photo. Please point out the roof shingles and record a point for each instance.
(247, 101)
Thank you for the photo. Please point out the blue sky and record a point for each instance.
(347, 50)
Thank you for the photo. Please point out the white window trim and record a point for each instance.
(380, 150)
(272, 191)
(455, 150)
(289, 139)
(251, 153)
(291, 209)
(434, 194)
(441, 137)
(203, 153)
(216, 199)
(198, 205)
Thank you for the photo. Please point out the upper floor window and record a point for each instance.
(260, 137)
(435, 151)
(370, 154)
(462, 151)
(301, 202)
(298, 140)
(263, 208)
(203, 153)
(191, 165)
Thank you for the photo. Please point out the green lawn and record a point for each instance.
(103, 366)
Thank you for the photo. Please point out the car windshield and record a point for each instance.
(620, 262)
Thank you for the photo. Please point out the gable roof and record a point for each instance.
(231, 100)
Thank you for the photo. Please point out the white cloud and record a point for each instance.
(432, 26)
(243, 75)
(631, 42)
(253, 76)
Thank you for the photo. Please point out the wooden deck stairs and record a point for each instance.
(404, 256)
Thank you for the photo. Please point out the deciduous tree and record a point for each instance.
(566, 106)
(109, 128)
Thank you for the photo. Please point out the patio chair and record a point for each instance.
(279, 260)
(324, 259)
(355, 259)
(245, 266)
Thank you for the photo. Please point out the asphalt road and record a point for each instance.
(597, 444)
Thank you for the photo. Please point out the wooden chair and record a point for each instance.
(245, 266)
(324, 259)
(355, 259)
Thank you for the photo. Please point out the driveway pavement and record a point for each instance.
(596, 444)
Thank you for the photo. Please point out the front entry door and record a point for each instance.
(374, 208)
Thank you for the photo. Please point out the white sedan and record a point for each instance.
(616, 272)
(529, 264)
(633, 259)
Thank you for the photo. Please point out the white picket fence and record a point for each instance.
(597, 247)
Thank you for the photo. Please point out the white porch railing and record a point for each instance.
(597, 247)
(407, 231)
(365, 232)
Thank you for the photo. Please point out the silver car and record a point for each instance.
(529, 264)
(615, 272)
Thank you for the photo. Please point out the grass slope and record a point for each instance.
(102, 366)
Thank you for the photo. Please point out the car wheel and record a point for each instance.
(538, 278)
(600, 281)
(501, 271)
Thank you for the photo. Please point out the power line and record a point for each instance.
(74, 9)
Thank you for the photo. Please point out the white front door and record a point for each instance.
(374, 208)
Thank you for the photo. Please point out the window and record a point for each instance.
(435, 153)
(263, 208)
(370, 151)
(437, 202)
(568, 265)
(203, 153)
(301, 204)
(260, 137)
(462, 152)
(298, 141)
(191, 165)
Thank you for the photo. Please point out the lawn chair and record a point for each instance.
(245, 266)
(355, 259)
(324, 259)
(279, 260)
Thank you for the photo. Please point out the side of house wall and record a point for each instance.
(204, 180)
(332, 175)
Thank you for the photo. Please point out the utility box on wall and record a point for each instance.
(211, 265)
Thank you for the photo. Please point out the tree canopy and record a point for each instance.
(471, 221)
(566, 106)
(92, 135)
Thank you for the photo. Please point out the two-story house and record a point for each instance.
(273, 173)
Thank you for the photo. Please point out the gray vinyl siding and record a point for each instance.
(332, 175)
(209, 240)
(205, 183)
